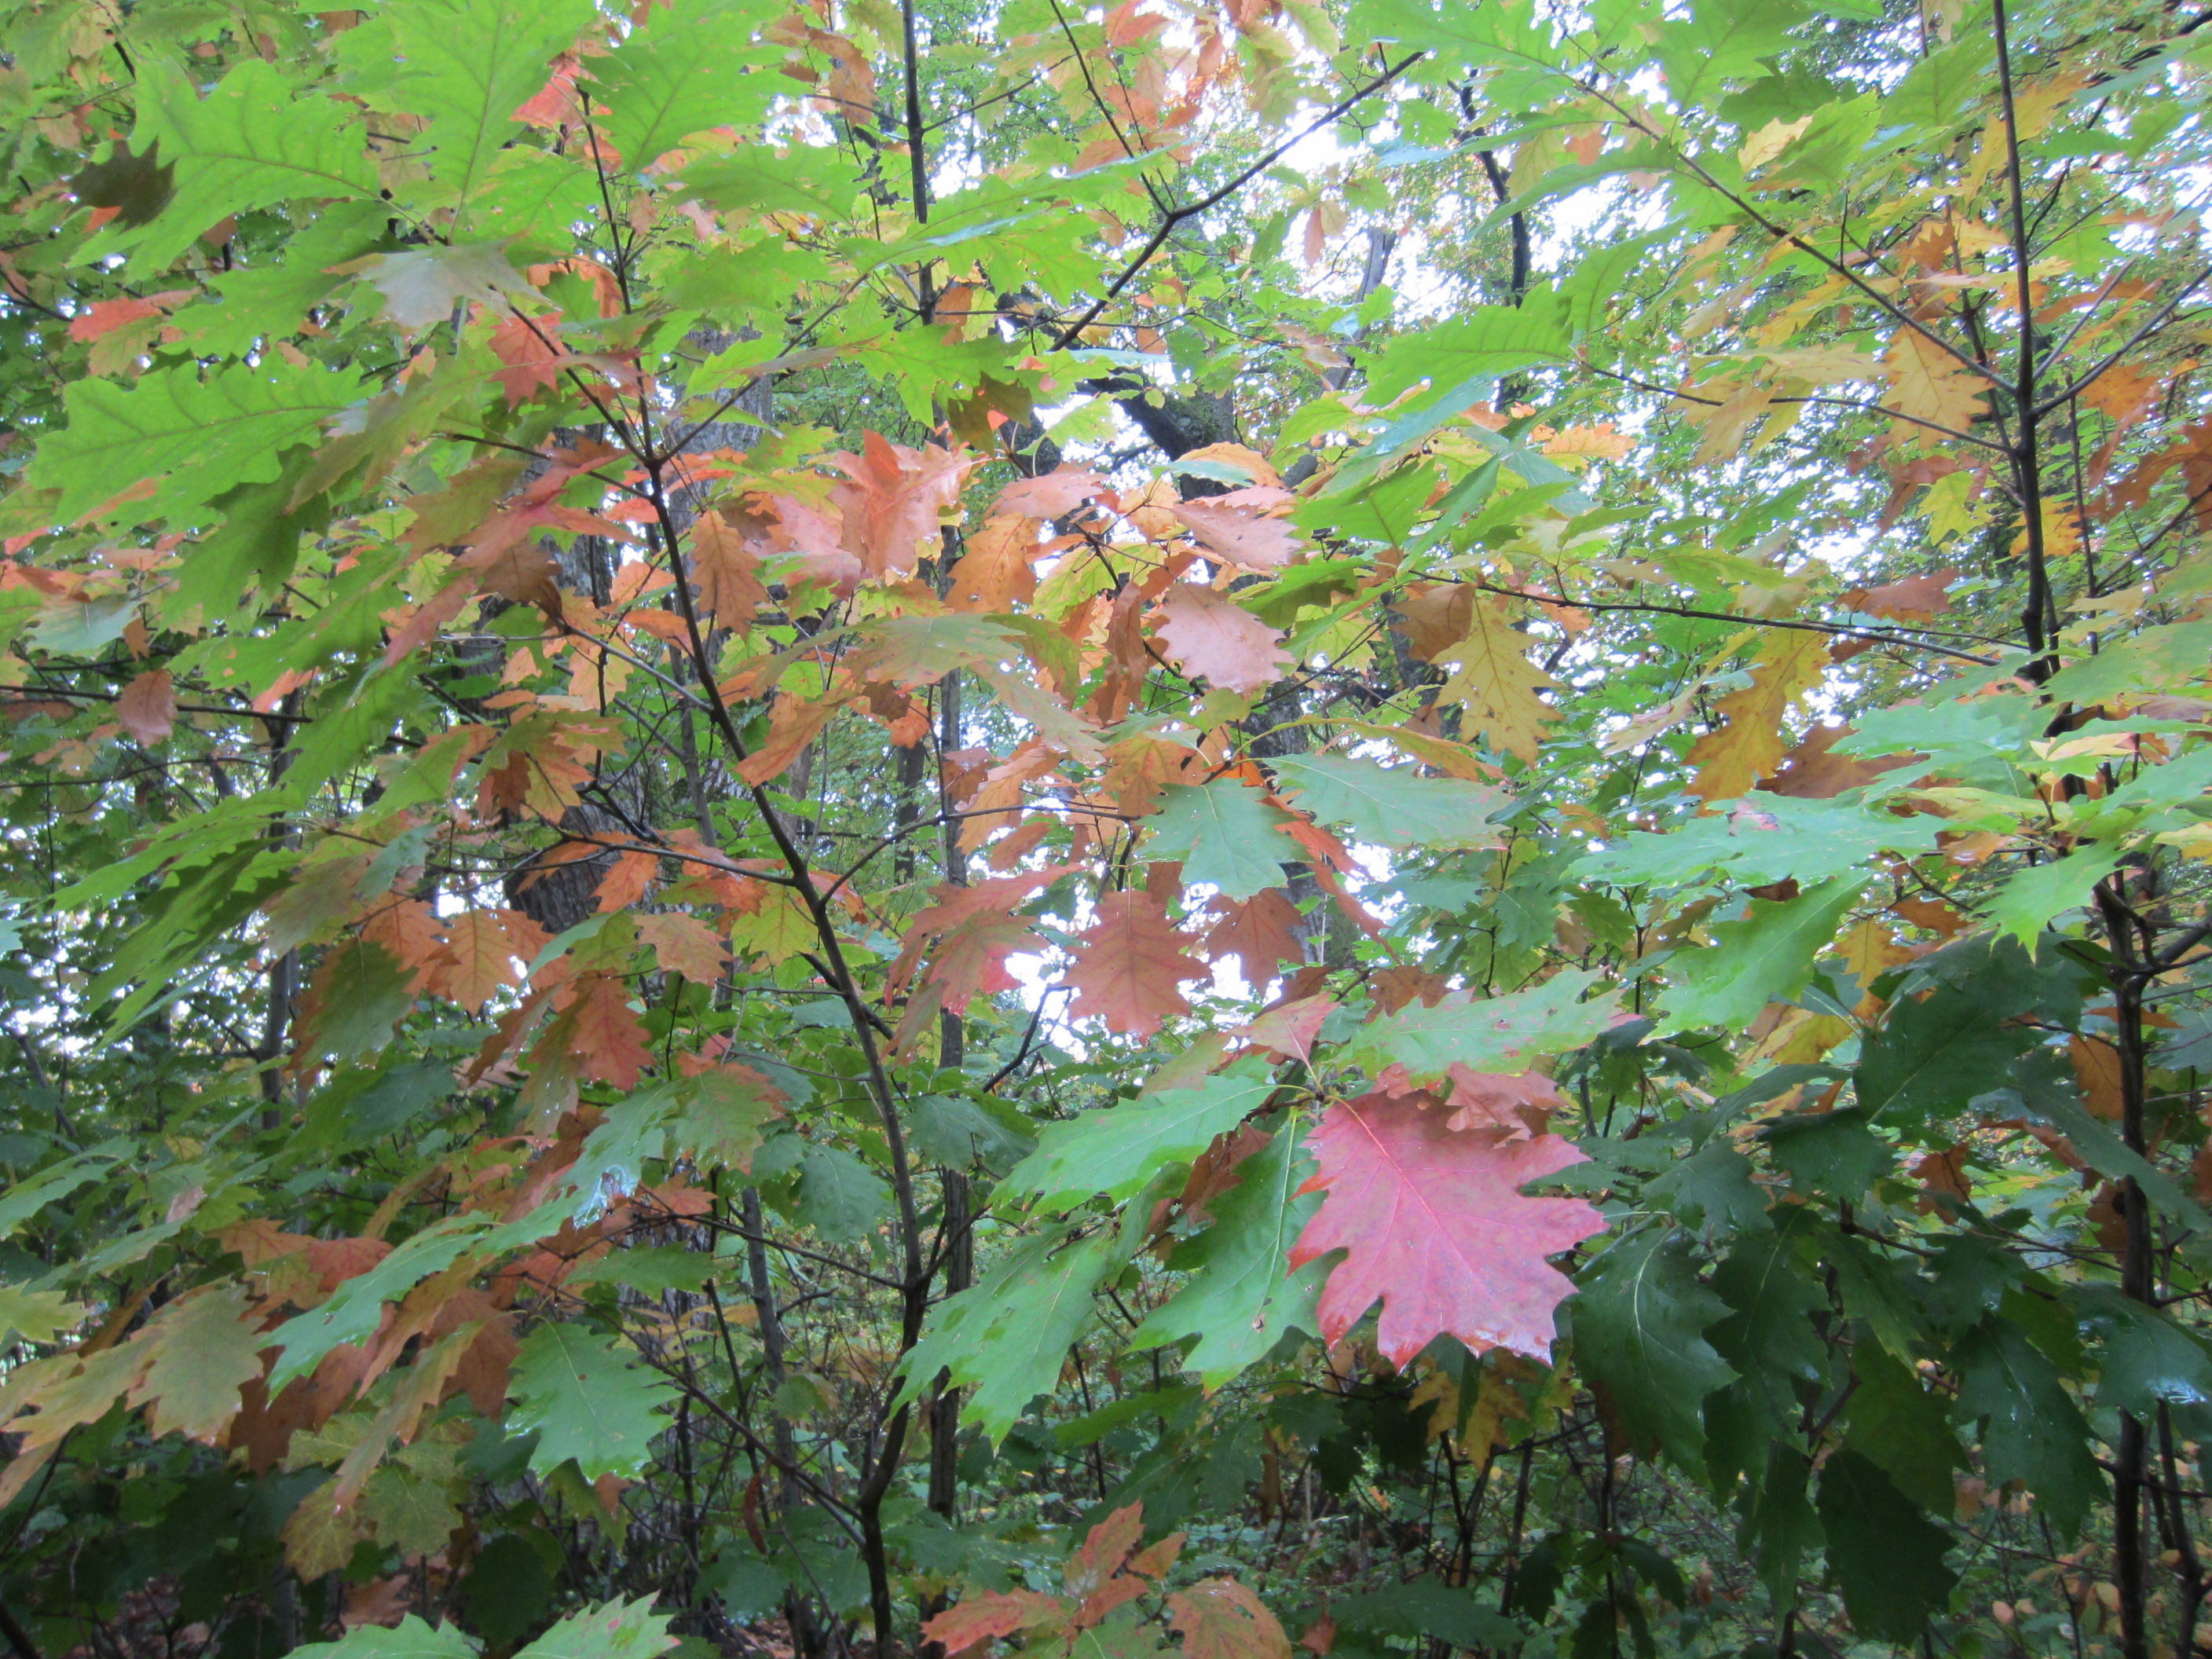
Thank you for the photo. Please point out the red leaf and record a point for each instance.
(1438, 1230)
(981, 1619)
(1209, 635)
(1129, 965)
(148, 706)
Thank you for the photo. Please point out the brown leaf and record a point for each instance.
(1514, 1105)
(1747, 745)
(725, 555)
(1810, 772)
(1239, 534)
(1923, 595)
(996, 570)
(148, 706)
(2097, 1067)
(1128, 964)
(1260, 934)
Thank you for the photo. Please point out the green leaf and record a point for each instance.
(1933, 1054)
(1116, 1150)
(1006, 1340)
(1763, 838)
(1391, 806)
(840, 1197)
(201, 437)
(26, 1198)
(1239, 1300)
(1888, 1556)
(2031, 1430)
(2145, 1359)
(649, 1269)
(586, 1401)
(1767, 956)
(409, 1639)
(1498, 1034)
(615, 1630)
(468, 65)
(2025, 904)
(1227, 835)
(1482, 342)
(1901, 1427)
(961, 1131)
(1833, 1152)
(1639, 1325)
(252, 141)
(422, 286)
(682, 72)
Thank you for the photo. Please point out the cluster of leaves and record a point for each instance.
(779, 826)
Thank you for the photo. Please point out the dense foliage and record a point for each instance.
(1107, 831)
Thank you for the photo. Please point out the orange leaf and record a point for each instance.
(725, 564)
(895, 500)
(685, 944)
(1222, 1618)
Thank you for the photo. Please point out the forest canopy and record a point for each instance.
(1001, 826)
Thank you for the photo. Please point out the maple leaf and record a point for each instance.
(1436, 1228)
(894, 501)
(1128, 964)
(1240, 533)
(1747, 745)
(1496, 683)
(1209, 635)
(148, 706)
(726, 566)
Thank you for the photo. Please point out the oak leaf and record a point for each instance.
(1049, 495)
(1128, 964)
(1222, 1619)
(725, 555)
(1260, 934)
(481, 952)
(1244, 537)
(1927, 383)
(996, 571)
(894, 501)
(1435, 1227)
(148, 706)
(1210, 636)
(1496, 683)
(1747, 745)
(685, 944)
(1921, 595)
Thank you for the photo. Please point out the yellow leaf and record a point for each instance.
(1927, 384)
(1496, 683)
(1769, 141)
(1747, 744)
